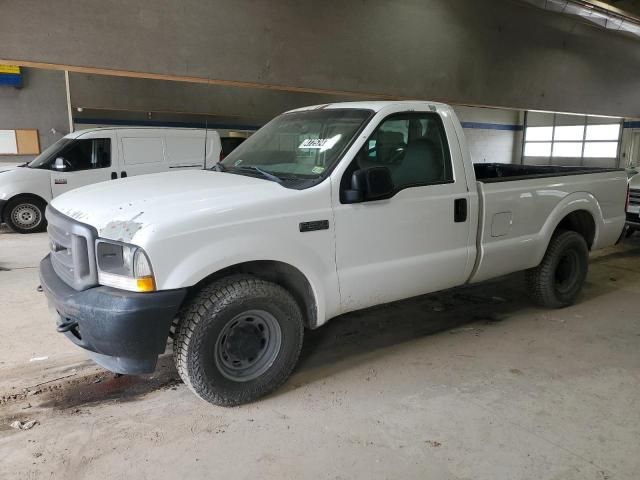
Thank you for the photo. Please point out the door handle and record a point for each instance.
(114, 175)
(460, 210)
(123, 174)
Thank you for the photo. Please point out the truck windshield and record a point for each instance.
(45, 159)
(297, 146)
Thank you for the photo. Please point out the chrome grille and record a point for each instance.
(71, 245)
(634, 197)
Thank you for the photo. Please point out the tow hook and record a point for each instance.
(66, 326)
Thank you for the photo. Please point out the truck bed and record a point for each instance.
(521, 205)
(503, 172)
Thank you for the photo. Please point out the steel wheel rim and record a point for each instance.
(248, 345)
(26, 216)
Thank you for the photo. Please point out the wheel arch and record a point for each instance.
(579, 212)
(281, 273)
(19, 196)
(579, 221)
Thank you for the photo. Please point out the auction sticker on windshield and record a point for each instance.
(322, 143)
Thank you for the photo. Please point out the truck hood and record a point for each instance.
(131, 209)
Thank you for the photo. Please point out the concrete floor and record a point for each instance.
(476, 383)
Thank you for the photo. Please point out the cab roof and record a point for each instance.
(376, 106)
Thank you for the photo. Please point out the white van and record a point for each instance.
(95, 155)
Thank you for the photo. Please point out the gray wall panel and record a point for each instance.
(41, 104)
(498, 52)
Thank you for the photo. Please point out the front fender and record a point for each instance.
(22, 180)
(315, 260)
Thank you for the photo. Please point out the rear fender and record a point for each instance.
(571, 203)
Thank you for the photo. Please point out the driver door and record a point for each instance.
(83, 162)
(416, 240)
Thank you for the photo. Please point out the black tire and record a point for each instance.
(25, 215)
(557, 281)
(206, 328)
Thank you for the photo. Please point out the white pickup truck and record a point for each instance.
(325, 210)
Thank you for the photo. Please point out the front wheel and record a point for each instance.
(25, 215)
(238, 339)
(557, 281)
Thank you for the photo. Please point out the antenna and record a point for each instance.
(206, 128)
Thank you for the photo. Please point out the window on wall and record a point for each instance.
(585, 139)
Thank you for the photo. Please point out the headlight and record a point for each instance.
(124, 266)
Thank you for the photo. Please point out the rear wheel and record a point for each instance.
(238, 339)
(557, 281)
(25, 215)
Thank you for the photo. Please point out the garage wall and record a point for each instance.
(132, 98)
(40, 103)
(500, 52)
(493, 135)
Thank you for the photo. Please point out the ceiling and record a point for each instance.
(629, 6)
(617, 15)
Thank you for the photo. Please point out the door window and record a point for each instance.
(413, 147)
(87, 154)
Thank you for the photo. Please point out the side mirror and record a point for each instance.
(59, 164)
(369, 184)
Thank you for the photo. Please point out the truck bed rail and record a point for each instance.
(502, 172)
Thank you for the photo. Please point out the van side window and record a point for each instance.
(88, 154)
(413, 147)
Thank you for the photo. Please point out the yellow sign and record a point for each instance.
(13, 69)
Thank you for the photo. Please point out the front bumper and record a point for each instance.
(633, 220)
(123, 331)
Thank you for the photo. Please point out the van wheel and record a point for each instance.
(238, 339)
(557, 281)
(25, 215)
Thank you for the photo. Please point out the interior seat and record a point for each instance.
(388, 146)
(421, 164)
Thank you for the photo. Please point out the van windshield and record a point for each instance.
(297, 146)
(49, 154)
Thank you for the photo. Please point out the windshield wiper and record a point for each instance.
(264, 173)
